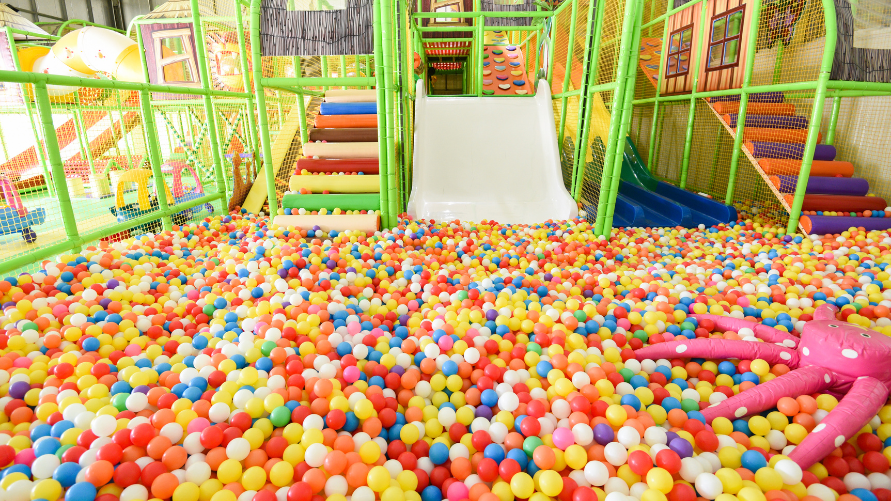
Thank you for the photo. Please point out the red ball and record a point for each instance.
(530, 427)
(110, 452)
(569, 487)
(584, 494)
(508, 468)
(211, 437)
(875, 462)
(640, 462)
(263, 495)
(705, 440)
(487, 469)
(869, 442)
(127, 474)
(300, 491)
(335, 419)
(142, 434)
(668, 460)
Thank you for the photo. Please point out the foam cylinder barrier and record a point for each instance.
(348, 108)
(360, 201)
(819, 168)
(852, 186)
(367, 223)
(755, 108)
(341, 150)
(336, 184)
(839, 203)
(758, 97)
(776, 135)
(822, 225)
(769, 121)
(351, 96)
(794, 151)
(364, 165)
(345, 121)
(364, 135)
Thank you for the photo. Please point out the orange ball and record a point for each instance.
(544, 457)
(174, 458)
(788, 406)
(164, 485)
(99, 473)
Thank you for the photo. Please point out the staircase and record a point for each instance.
(773, 140)
(336, 186)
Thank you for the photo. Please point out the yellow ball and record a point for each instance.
(768, 479)
(653, 495)
(660, 479)
(369, 452)
(616, 415)
(730, 479)
(229, 471)
(751, 494)
(378, 479)
(760, 367)
(393, 494)
(521, 485)
(550, 482)
(46, 489)
(576, 457)
(189, 491)
(281, 474)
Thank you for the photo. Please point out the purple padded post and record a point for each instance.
(825, 185)
(794, 151)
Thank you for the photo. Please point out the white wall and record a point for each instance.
(103, 11)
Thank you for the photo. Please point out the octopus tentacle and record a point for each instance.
(762, 332)
(720, 348)
(803, 381)
(862, 402)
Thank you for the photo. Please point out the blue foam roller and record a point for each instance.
(348, 109)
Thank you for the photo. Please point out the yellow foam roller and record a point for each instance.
(351, 96)
(340, 150)
(336, 184)
(367, 223)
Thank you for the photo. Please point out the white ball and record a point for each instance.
(616, 484)
(134, 492)
(819, 490)
(313, 421)
(508, 402)
(44, 466)
(315, 455)
(615, 453)
(655, 435)
(363, 494)
(239, 448)
(219, 412)
(137, 402)
(560, 409)
(447, 417)
(638, 489)
(498, 432)
(628, 436)
(776, 439)
(879, 481)
(790, 472)
(854, 480)
(192, 444)
(471, 355)
(708, 485)
(337, 484)
(103, 425)
(616, 496)
(691, 469)
(596, 473)
(583, 434)
(173, 431)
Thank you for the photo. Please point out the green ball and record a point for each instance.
(119, 401)
(643, 336)
(281, 416)
(580, 315)
(29, 326)
(530, 444)
(689, 405)
(267, 347)
(534, 347)
(208, 309)
(626, 374)
(61, 450)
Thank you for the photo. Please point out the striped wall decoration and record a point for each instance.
(853, 63)
(500, 6)
(286, 32)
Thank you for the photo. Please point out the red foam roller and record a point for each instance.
(365, 165)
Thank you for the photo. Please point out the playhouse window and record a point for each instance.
(446, 7)
(724, 43)
(679, 46)
(175, 58)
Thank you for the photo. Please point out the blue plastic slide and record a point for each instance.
(646, 201)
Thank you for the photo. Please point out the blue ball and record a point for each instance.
(81, 491)
(66, 474)
(439, 453)
(519, 456)
(46, 445)
(431, 493)
(495, 452)
(543, 368)
(91, 344)
(753, 461)
(449, 368)
(864, 495)
(489, 398)
(726, 367)
(631, 400)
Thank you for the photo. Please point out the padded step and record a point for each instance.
(795, 151)
(367, 223)
(346, 121)
(839, 203)
(351, 96)
(755, 108)
(822, 225)
(360, 201)
(336, 183)
(364, 135)
(759, 97)
(853, 186)
(366, 165)
(768, 121)
(341, 150)
(776, 135)
(819, 168)
(348, 108)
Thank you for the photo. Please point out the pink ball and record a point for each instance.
(457, 492)
(563, 438)
(26, 457)
(60, 310)
(445, 342)
(351, 374)
(197, 425)
(132, 350)
(22, 362)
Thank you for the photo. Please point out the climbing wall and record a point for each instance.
(504, 67)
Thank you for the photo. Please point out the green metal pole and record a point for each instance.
(245, 72)
(550, 48)
(833, 120)
(607, 196)
(343, 69)
(778, 65)
(386, 10)
(323, 68)
(627, 115)
(653, 150)
(382, 138)
(580, 155)
(481, 41)
(691, 116)
(82, 134)
(210, 111)
(154, 150)
(743, 105)
(813, 131)
(261, 104)
(301, 103)
(45, 114)
(567, 73)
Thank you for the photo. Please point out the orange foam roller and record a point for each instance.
(819, 168)
(367, 223)
(839, 203)
(726, 107)
(776, 135)
(345, 121)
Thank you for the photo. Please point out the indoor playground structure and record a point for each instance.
(447, 250)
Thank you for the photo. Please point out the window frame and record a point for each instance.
(185, 37)
(723, 41)
(441, 21)
(681, 50)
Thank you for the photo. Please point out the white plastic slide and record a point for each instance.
(487, 158)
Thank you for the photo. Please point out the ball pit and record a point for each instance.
(229, 360)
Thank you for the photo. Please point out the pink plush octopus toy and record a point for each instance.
(831, 356)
